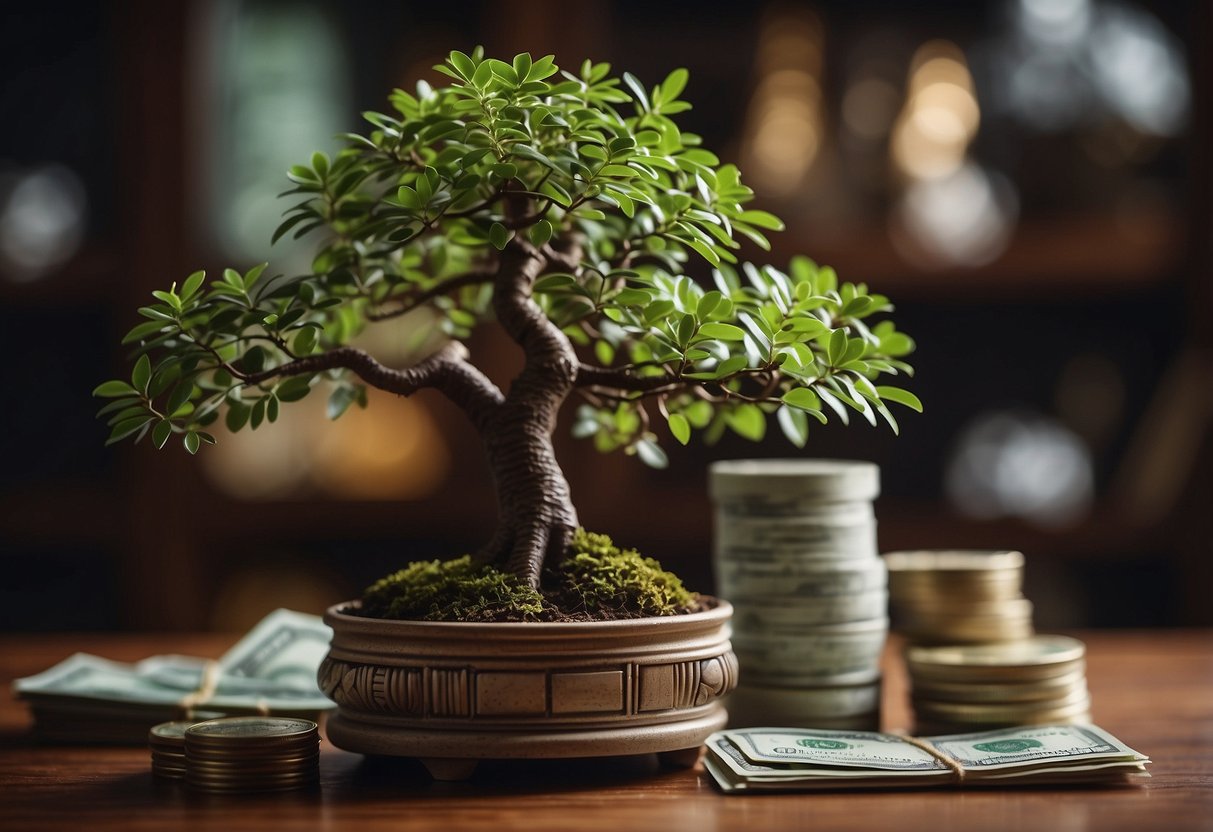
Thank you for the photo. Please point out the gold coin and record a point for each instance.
(1033, 691)
(1032, 713)
(1040, 656)
(953, 560)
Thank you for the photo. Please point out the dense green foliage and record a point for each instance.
(582, 164)
(597, 580)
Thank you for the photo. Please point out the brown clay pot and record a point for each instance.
(451, 694)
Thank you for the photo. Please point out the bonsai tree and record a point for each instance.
(566, 207)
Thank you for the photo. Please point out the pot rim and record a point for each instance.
(719, 612)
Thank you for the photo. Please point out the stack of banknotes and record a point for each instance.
(787, 759)
(795, 553)
(272, 670)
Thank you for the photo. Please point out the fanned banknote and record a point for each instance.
(272, 670)
(790, 759)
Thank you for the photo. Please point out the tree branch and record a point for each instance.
(409, 303)
(613, 382)
(447, 371)
(623, 379)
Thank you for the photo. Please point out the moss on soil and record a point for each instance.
(597, 581)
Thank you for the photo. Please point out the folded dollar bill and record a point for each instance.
(272, 670)
(789, 759)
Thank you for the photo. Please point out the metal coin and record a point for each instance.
(800, 478)
(250, 729)
(1041, 656)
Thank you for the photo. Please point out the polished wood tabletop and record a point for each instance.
(1154, 690)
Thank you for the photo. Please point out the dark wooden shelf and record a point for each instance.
(1062, 257)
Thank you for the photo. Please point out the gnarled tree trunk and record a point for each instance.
(537, 516)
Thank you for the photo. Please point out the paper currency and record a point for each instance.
(786, 759)
(271, 670)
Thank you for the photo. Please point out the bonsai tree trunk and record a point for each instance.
(536, 514)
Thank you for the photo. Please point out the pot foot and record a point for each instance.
(681, 758)
(450, 769)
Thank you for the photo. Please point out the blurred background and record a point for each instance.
(1029, 180)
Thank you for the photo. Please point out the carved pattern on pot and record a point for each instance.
(447, 692)
(717, 676)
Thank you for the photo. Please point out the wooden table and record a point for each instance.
(1154, 690)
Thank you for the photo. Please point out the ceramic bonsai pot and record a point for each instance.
(451, 694)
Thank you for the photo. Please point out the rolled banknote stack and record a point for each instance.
(795, 553)
(272, 670)
(786, 759)
(958, 597)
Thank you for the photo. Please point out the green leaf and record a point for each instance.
(190, 288)
(142, 330)
(704, 250)
(522, 65)
(294, 389)
(725, 332)
(837, 347)
(707, 305)
(674, 84)
(253, 275)
(554, 283)
(111, 389)
(680, 427)
(748, 421)
(642, 100)
(180, 395)
(803, 398)
(462, 63)
(808, 324)
(699, 414)
(896, 344)
(541, 232)
(500, 236)
(896, 394)
(254, 360)
(257, 415)
(604, 352)
(762, 219)
(127, 427)
(794, 424)
(161, 433)
(237, 416)
(409, 198)
(320, 164)
(650, 454)
(191, 442)
(340, 400)
(142, 373)
(305, 341)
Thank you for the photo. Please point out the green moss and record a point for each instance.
(597, 581)
(598, 576)
(452, 590)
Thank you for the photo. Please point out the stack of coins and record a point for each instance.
(1037, 681)
(958, 597)
(252, 754)
(795, 553)
(167, 743)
